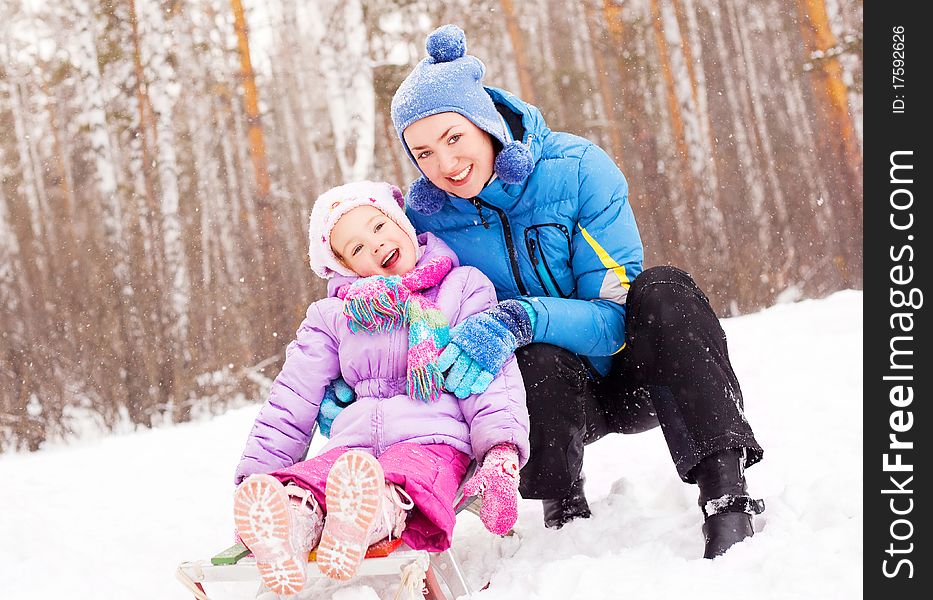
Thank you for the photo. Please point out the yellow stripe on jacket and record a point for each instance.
(604, 258)
(613, 266)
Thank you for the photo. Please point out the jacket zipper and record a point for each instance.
(378, 418)
(479, 209)
(507, 232)
(537, 263)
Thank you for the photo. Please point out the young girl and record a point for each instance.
(612, 348)
(397, 455)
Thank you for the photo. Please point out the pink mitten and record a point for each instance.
(496, 482)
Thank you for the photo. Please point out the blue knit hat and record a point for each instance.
(450, 80)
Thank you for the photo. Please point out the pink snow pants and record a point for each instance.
(431, 474)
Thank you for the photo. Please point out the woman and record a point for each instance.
(602, 345)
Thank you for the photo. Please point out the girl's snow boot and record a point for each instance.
(307, 517)
(724, 500)
(573, 505)
(395, 506)
(278, 529)
(361, 509)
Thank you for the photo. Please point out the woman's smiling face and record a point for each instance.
(370, 243)
(452, 152)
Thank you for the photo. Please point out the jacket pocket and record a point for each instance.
(549, 248)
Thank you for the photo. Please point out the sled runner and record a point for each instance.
(437, 574)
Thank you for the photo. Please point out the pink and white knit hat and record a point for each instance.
(336, 202)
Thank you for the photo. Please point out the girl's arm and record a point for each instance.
(607, 256)
(282, 430)
(499, 414)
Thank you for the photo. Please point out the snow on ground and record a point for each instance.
(112, 517)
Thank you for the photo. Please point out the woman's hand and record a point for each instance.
(496, 482)
(337, 396)
(481, 344)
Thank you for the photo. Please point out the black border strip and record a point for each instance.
(897, 266)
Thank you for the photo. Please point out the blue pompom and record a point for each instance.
(514, 163)
(446, 43)
(426, 198)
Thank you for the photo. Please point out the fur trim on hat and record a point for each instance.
(336, 202)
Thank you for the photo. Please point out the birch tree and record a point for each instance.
(606, 92)
(163, 94)
(348, 74)
(831, 104)
(516, 37)
(32, 186)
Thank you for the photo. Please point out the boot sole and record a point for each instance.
(354, 494)
(260, 510)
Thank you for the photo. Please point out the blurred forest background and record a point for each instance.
(158, 160)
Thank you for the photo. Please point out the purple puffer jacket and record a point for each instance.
(374, 365)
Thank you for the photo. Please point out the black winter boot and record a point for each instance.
(558, 513)
(724, 500)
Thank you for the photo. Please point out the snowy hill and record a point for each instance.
(112, 518)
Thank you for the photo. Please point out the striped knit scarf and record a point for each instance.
(383, 304)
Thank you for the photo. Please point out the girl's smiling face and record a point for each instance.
(370, 243)
(452, 152)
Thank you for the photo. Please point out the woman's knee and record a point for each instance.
(661, 291)
(556, 382)
(546, 359)
(664, 275)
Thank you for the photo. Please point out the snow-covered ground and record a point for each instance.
(112, 517)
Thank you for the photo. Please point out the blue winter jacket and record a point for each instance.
(565, 239)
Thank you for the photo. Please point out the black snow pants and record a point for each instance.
(674, 371)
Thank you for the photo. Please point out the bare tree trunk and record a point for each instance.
(143, 411)
(257, 143)
(163, 99)
(708, 220)
(12, 312)
(687, 192)
(518, 51)
(692, 53)
(649, 192)
(833, 107)
(317, 135)
(20, 228)
(759, 115)
(117, 268)
(10, 288)
(229, 204)
(269, 237)
(390, 139)
(809, 192)
(828, 82)
(612, 126)
(61, 151)
(673, 106)
(348, 71)
(755, 187)
(32, 187)
(147, 127)
(299, 103)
